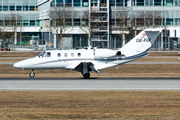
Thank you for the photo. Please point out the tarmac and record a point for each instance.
(92, 84)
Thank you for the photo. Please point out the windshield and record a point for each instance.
(42, 54)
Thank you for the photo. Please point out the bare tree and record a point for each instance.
(61, 20)
(132, 27)
(90, 23)
(157, 19)
(3, 36)
(12, 25)
(148, 19)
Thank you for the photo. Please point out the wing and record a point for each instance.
(85, 67)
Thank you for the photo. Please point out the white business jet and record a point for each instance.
(86, 60)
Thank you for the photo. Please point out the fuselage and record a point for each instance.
(69, 59)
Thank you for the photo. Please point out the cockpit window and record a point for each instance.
(48, 54)
(41, 54)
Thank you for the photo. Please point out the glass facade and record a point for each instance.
(18, 5)
(167, 17)
(28, 19)
(156, 3)
(70, 3)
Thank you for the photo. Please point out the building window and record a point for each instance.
(112, 21)
(148, 3)
(19, 8)
(7, 22)
(69, 22)
(125, 3)
(0, 8)
(169, 2)
(5, 8)
(53, 3)
(157, 21)
(169, 21)
(94, 2)
(32, 22)
(112, 2)
(177, 21)
(25, 8)
(177, 2)
(26, 23)
(140, 2)
(68, 3)
(119, 2)
(32, 8)
(157, 2)
(76, 22)
(59, 3)
(77, 3)
(19, 22)
(37, 22)
(85, 3)
(1, 22)
(12, 8)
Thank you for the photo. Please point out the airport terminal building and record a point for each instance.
(36, 22)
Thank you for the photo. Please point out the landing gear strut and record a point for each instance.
(32, 74)
(86, 75)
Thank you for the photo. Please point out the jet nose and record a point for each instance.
(17, 65)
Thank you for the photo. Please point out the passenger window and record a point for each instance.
(59, 54)
(48, 54)
(65, 54)
(79, 54)
(72, 54)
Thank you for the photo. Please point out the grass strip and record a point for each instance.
(108, 105)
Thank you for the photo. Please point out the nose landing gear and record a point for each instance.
(86, 75)
(32, 74)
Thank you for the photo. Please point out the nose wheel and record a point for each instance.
(86, 75)
(32, 74)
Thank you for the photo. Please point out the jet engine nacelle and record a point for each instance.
(104, 53)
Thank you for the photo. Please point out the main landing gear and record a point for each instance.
(32, 74)
(86, 75)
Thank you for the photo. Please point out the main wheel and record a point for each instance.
(87, 75)
(31, 74)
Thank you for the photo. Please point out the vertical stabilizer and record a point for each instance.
(141, 42)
